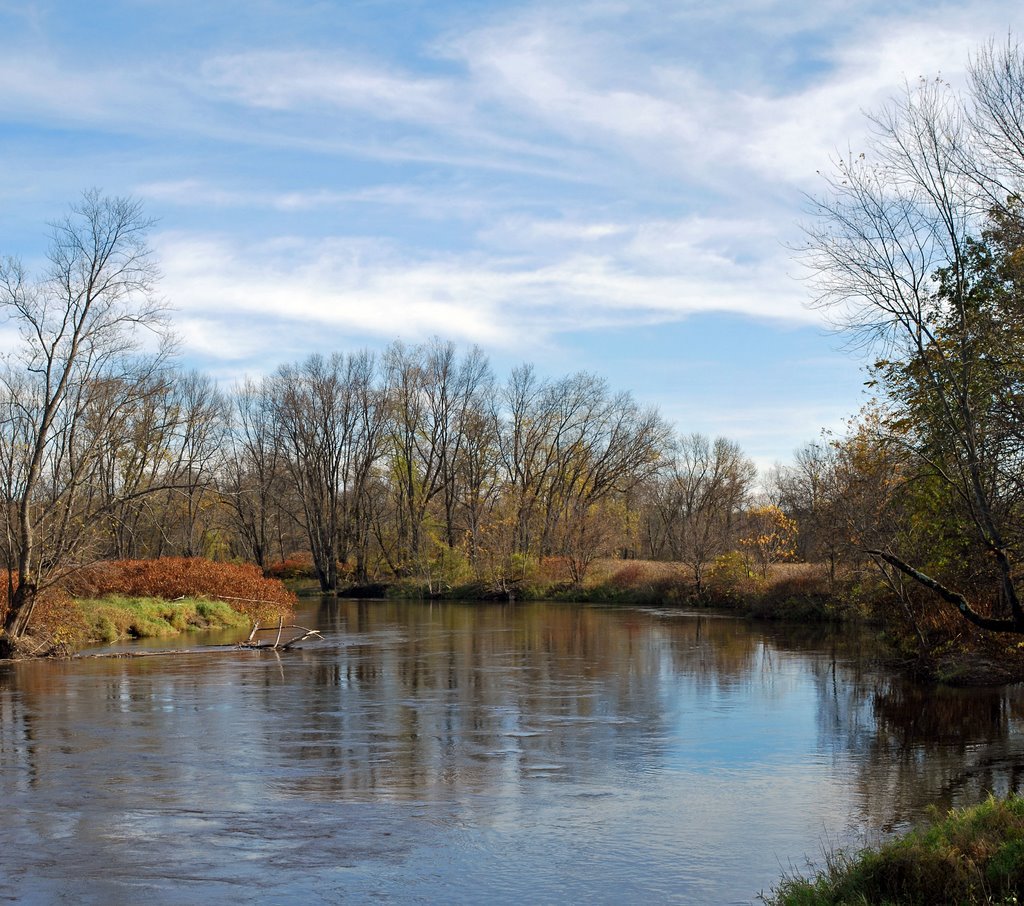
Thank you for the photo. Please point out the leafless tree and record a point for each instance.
(566, 446)
(200, 428)
(85, 325)
(810, 491)
(707, 484)
(329, 421)
(255, 478)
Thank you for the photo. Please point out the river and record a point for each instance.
(467, 753)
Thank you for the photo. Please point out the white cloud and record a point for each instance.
(371, 288)
(306, 81)
(598, 89)
(39, 86)
(793, 136)
(431, 203)
(535, 170)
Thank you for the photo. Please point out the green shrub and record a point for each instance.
(969, 856)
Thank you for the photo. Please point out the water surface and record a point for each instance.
(477, 752)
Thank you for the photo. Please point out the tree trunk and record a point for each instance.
(19, 613)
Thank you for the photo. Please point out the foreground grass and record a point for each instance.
(973, 855)
(113, 618)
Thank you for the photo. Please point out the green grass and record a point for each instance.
(113, 618)
(973, 855)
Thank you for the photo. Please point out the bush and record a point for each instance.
(630, 576)
(242, 585)
(294, 566)
(112, 618)
(57, 625)
(553, 571)
(971, 855)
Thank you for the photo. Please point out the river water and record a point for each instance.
(467, 753)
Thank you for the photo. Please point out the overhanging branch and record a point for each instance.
(954, 598)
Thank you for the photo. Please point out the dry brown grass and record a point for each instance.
(627, 573)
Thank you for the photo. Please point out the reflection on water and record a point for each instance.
(463, 753)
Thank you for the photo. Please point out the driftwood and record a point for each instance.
(276, 645)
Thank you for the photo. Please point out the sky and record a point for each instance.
(613, 186)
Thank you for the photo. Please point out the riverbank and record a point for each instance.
(969, 856)
(122, 599)
(798, 591)
(926, 637)
(116, 600)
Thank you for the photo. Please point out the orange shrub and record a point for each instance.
(294, 566)
(240, 584)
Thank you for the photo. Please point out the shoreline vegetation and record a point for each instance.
(969, 855)
(118, 600)
(117, 618)
(933, 644)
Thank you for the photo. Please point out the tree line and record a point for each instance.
(916, 249)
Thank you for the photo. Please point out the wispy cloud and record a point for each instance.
(440, 202)
(41, 87)
(301, 80)
(371, 288)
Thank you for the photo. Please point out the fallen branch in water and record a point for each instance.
(276, 645)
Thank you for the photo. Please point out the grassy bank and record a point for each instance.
(114, 618)
(969, 856)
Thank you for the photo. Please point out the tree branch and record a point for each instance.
(957, 600)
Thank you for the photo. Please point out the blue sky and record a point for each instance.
(609, 186)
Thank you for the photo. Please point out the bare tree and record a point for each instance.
(478, 483)
(434, 396)
(567, 445)
(77, 370)
(706, 486)
(524, 450)
(133, 457)
(363, 448)
(255, 483)
(199, 435)
(996, 115)
(329, 420)
(311, 420)
(811, 493)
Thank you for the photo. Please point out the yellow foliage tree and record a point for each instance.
(769, 537)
